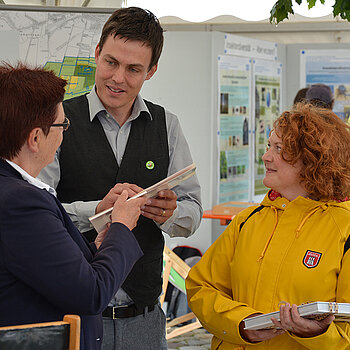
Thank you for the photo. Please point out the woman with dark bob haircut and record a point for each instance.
(47, 267)
(290, 250)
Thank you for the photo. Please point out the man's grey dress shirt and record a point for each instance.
(186, 217)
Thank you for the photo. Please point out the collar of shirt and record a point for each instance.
(32, 180)
(96, 106)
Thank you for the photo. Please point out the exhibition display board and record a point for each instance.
(60, 41)
(233, 134)
(330, 67)
(267, 106)
(249, 91)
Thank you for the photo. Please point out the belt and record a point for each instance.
(125, 311)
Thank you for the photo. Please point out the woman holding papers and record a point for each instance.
(47, 268)
(292, 249)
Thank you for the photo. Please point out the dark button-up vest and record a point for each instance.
(89, 170)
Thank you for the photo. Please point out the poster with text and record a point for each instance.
(234, 125)
(330, 67)
(267, 103)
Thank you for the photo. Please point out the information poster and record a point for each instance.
(267, 85)
(330, 67)
(233, 134)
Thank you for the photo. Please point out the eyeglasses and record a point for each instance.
(65, 124)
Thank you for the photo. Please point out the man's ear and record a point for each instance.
(34, 139)
(97, 52)
(151, 72)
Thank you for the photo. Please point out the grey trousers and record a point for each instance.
(143, 332)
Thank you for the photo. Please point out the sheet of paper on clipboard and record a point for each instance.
(100, 220)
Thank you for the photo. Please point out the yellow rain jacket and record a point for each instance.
(288, 251)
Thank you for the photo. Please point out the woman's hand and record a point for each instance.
(127, 212)
(302, 327)
(254, 336)
(110, 198)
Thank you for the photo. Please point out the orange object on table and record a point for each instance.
(224, 219)
(225, 212)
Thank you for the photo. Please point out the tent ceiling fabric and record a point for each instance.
(66, 3)
(297, 29)
(192, 11)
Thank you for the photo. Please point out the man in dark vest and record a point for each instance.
(119, 141)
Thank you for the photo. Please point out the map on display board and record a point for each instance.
(332, 68)
(58, 41)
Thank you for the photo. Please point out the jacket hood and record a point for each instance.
(306, 203)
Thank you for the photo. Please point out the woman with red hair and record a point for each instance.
(290, 250)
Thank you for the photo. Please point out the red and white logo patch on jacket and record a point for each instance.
(311, 259)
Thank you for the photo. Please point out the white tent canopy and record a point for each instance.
(189, 10)
(247, 18)
(248, 10)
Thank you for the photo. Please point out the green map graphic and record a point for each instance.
(79, 73)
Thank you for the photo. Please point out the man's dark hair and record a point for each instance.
(301, 95)
(134, 23)
(320, 95)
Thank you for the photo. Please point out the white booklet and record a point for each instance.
(100, 220)
(317, 310)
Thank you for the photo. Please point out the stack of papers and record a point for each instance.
(316, 310)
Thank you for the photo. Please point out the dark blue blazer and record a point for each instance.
(48, 269)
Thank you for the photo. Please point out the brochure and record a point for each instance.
(100, 220)
(316, 310)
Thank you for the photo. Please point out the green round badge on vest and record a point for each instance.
(149, 165)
